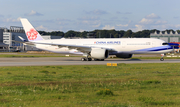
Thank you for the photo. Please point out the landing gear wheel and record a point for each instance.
(98, 59)
(162, 59)
(86, 59)
(89, 59)
(95, 59)
(83, 59)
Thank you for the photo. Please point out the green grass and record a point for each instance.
(91, 85)
(24, 55)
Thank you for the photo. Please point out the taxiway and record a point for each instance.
(73, 61)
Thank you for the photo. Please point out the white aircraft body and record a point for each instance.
(99, 49)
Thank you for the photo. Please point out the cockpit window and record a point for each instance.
(164, 43)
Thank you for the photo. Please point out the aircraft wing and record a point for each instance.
(18, 41)
(81, 48)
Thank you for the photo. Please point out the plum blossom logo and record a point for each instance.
(32, 34)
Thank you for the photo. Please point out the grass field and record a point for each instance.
(127, 85)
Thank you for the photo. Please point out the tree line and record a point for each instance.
(105, 33)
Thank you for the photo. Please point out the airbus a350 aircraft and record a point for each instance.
(98, 49)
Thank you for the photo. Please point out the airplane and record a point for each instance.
(98, 48)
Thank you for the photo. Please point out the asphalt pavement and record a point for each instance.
(74, 61)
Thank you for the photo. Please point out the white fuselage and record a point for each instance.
(118, 45)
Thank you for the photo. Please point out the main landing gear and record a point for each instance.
(86, 59)
(90, 59)
(162, 57)
(98, 59)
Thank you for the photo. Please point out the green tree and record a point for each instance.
(128, 33)
(116, 35)
(57, 33)
(70, 33)
(178, 31)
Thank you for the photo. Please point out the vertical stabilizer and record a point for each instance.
(31, 33)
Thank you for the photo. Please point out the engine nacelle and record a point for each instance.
(98, 53)
(122, 55)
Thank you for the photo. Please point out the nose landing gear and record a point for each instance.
(162, 57)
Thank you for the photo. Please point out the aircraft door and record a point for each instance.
(153, 43)
(123, 44)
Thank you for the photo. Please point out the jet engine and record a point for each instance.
(122, 55)
(99, 53)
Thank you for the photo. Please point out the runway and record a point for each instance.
(73, 61)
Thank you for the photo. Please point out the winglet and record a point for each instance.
(31, 33)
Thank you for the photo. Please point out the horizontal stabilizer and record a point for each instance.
(22, 39)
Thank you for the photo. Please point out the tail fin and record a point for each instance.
(31, 33)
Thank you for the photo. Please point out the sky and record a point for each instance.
(89, 15)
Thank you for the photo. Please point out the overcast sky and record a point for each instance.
(88, 15)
